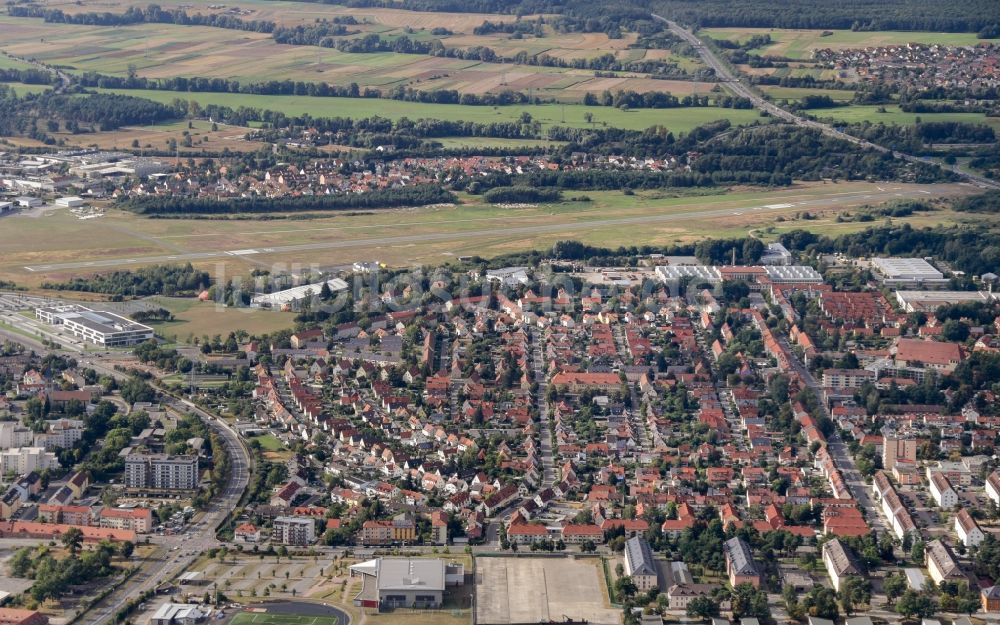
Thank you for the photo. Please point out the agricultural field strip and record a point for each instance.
(152, 50)
(294, 13)
(518, 230)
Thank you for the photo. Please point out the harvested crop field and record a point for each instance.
(156, 138)
(293, 13)
(166, 51)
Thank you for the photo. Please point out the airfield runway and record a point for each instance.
(890, 192)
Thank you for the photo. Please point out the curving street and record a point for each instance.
(178, 551)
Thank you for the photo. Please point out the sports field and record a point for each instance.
(196, 318)
(259, 618)
(800, 44)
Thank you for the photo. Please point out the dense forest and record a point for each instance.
(24, 116)
(988, 202)
(967, 16)
(420, 195)
(521, 194)
(917, 138)
(167, 280)
(30, 76)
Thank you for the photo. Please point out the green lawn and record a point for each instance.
(677, 119)
(892, 115)
(21, 88)
(8, 63)
(490, 142)
(269, 442)
(196, 318)
(257, 618)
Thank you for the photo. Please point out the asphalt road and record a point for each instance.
(834, 199)
(735, 85)
(838, 449)
(545, 447)
(180, 550)
(201, 537)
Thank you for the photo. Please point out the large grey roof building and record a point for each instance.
(907, 271)
(740, 564)
(102, 328)
(840, 562)
(402, 582)
(639, 563)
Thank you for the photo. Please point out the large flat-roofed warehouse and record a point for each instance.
(705, 273)
(908, 272)
(405, 583)
(102, 328)
(926, 301)
(287, 299)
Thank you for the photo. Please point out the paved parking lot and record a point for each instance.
(525, 590)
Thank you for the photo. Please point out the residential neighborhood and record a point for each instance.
(716, 435)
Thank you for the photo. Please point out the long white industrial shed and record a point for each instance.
(289, 297)
(99, 327)
(777, 274)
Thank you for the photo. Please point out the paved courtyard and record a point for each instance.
(524, 590)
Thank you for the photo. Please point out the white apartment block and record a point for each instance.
(941, 563)
(13, 434)
(294, 530)
(840, 562)
(847, 378)
(967, 529)
(993, 487)
(21, 460)
(892, 506)
(161, 472)
(944, 495)
(62, 433)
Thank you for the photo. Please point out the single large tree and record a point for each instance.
(73, 540)
(703, 607)
(920, 605)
